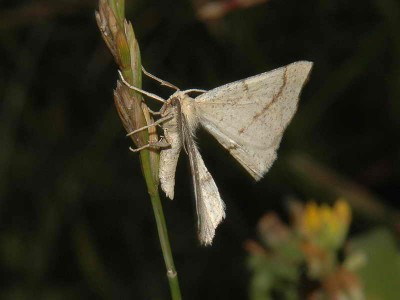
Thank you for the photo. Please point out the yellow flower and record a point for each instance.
(326, 226)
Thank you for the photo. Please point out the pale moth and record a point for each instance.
(247, 117)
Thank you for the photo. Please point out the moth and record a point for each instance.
(247, 117)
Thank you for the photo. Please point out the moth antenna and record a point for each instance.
(162, 82)
(151, 95)
(194, 91)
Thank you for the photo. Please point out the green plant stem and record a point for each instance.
(120, 38)
(152, 188)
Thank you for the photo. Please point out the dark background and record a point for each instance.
(75, 218)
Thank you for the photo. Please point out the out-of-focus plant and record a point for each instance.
(214, 10)
(303, 261)
(322, 231)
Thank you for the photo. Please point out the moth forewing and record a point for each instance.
(248, 117)
(169, 158)
(210, 208)
(174, 130)
(179, 131)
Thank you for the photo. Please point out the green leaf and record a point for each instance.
(272, 276)
(381, 274)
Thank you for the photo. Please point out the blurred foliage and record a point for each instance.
(75, 220)
(302, 262)
(310, 259)
(381, 272)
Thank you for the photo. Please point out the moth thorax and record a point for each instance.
(189, 111)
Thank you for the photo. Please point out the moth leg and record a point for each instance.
(151, 95)
(161, 143)
(162, 82)
(154, 112)
(159, 121)
(140, 148)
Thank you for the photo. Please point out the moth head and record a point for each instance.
(175, 99)
(171, 103)
(177, 96)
